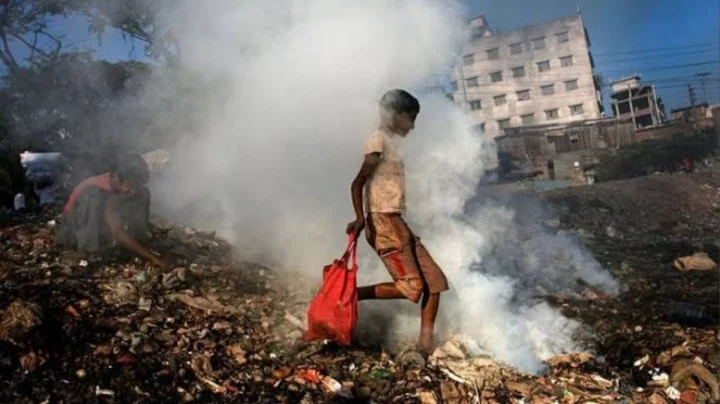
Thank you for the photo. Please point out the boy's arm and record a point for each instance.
(366, 170)
(112, 219)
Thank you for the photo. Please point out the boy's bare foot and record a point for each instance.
(426, 344)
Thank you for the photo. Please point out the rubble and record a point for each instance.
(18, 319)
(215, 329)
(695, 262)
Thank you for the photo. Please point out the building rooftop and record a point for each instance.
(689, 108)
(624, 79)
(500, 32)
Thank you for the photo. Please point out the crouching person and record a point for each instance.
(111, 206)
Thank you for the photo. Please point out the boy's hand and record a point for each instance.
(355, 227)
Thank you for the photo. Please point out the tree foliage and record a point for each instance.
(25, 28)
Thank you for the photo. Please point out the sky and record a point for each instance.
(667, 41)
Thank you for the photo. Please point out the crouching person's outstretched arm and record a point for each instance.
(112, 219)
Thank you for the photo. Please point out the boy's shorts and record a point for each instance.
(409, 263)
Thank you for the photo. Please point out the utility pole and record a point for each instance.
(702, 76)
(691, 92)
(617, 125)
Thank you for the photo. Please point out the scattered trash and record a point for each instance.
(144, 304)
(174, 278)
(688, 313)
(103, 392)
(310, 375)
(684, 370)
(216, 326)
(695, 262)
(31, 361)
(72, 311)
(334, 387)
(83, 263)
(672, 393)
(237, 353)
(656, 398)
(572, 359)
(208, 303)
(18, 319)
(295, 321)
(381, 374)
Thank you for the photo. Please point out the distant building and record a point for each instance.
(644, 110)
(691, 114)
(540, 74)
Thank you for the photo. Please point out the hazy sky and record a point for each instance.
(671, 35)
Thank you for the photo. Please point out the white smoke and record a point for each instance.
(281, 138)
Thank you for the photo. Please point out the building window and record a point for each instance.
(493, 54)
(566, 61)
(468, 59)
(523, 95)
(504, 123)
(478, 32)
(576, 109)
(571, 85)
(528, 119)
(480, 127)
(475, 105)
(551, 114)
(518, 71)
(454, 85)
(516, 48)
(538, 43)
(500, 100)
(543, 66)
(496, 77)
(548, 89)
(471, 82)
(562, 37)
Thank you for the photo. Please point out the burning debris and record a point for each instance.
(215, 329)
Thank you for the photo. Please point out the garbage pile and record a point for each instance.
(647, 210)
(213, 329)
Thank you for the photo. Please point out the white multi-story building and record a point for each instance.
(540, 74)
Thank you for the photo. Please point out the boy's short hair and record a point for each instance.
(399, 101)
(132, 168)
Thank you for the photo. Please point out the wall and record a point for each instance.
(664, 132)
(577, 46)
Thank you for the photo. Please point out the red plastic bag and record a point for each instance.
(333, 312)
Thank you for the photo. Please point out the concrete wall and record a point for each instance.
(664, 132)
(577, 46)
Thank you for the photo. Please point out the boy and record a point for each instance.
(382, 176)
(99, 209)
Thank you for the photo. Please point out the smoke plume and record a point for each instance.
(291, 91)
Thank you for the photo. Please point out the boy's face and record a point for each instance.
(404, 122)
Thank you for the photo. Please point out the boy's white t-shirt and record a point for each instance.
(385, 189)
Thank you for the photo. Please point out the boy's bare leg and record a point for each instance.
(383, 291)
(430, 304)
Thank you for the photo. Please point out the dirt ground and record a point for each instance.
(110, 329)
